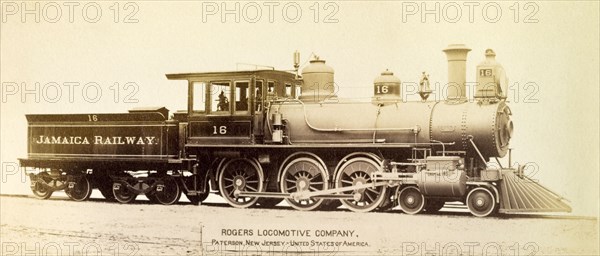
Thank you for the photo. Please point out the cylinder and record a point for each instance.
(457, 71)
(442, 183)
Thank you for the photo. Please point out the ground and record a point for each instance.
(59, 226)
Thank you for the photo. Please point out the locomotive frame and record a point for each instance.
(252, 137)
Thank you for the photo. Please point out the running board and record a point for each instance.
(522, 194)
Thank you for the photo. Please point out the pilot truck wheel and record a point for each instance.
(481, 202)
(411, 200)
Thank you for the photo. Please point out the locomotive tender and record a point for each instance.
(262, 136)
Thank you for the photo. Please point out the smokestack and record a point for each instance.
(457, 71)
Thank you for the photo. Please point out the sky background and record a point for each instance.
(550, 52)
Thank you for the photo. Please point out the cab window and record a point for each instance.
(288, 90)
(221, 93)
(242, 96)
(298, 91)
(271, 91)
(271, 88)
(199, 97)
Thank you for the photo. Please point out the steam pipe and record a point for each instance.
(443, 146)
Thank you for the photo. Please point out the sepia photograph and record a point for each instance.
(299, 127)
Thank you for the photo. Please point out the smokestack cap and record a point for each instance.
(457, 52)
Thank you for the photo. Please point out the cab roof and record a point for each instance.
(229, 74)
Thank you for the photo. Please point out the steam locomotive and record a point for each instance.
(263, 136)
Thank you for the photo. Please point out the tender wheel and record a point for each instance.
(80, 190)
(240, 175)
(122, 193)
(433, 206)
(38, 189)
(481, 202)
(357, 172)
(411, 200)
(167, 190)
(303, 175)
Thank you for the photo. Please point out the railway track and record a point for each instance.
(57, 225)
(450, 209)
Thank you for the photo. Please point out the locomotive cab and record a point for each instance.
(228, 108)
